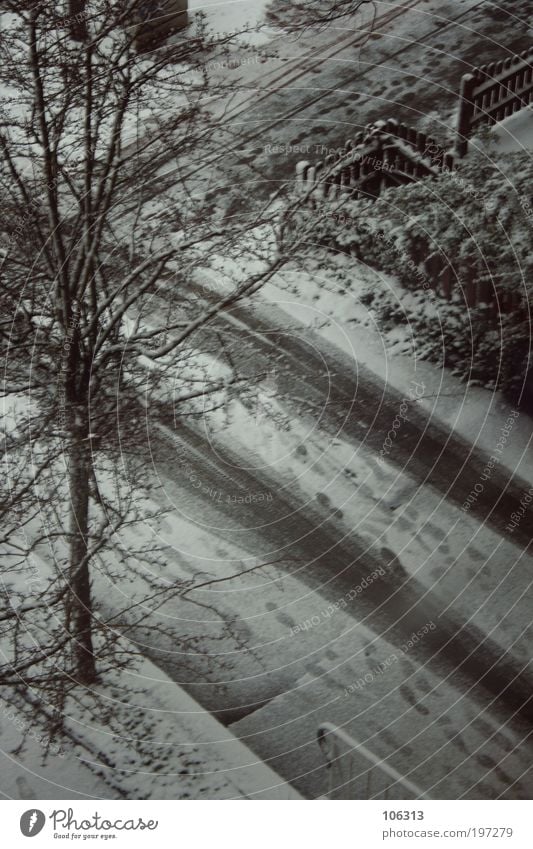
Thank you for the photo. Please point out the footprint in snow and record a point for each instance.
(411, 699)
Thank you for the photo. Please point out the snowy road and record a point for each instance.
(318, 381)
(474, 680)
(232, 488)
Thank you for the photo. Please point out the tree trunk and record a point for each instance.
(79, 603)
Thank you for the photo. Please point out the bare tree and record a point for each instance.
(107, 226)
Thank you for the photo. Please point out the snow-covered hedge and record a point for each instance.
(477, 220)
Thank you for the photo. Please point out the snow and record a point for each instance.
(424, 726)
(335, 311)
(515, 133)
(269, 609)
(163, 744)
(27, 777)
(437, 544)
(447, 551)
(158, 743)
(229, 17)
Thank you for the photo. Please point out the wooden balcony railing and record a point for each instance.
(357, 773)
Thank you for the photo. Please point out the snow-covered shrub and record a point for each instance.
(477, 221)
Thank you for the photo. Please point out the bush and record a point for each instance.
(478, 221)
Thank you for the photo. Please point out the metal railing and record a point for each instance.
(357, 773)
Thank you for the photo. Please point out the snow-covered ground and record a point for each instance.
(322, 658)
(446, 549)
(164, 745)
(449, 552)
(515, 133)
(426, 727)
(328, 300)
(135, 735)
(234, 16)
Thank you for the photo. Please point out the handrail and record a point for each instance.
(329, 737)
